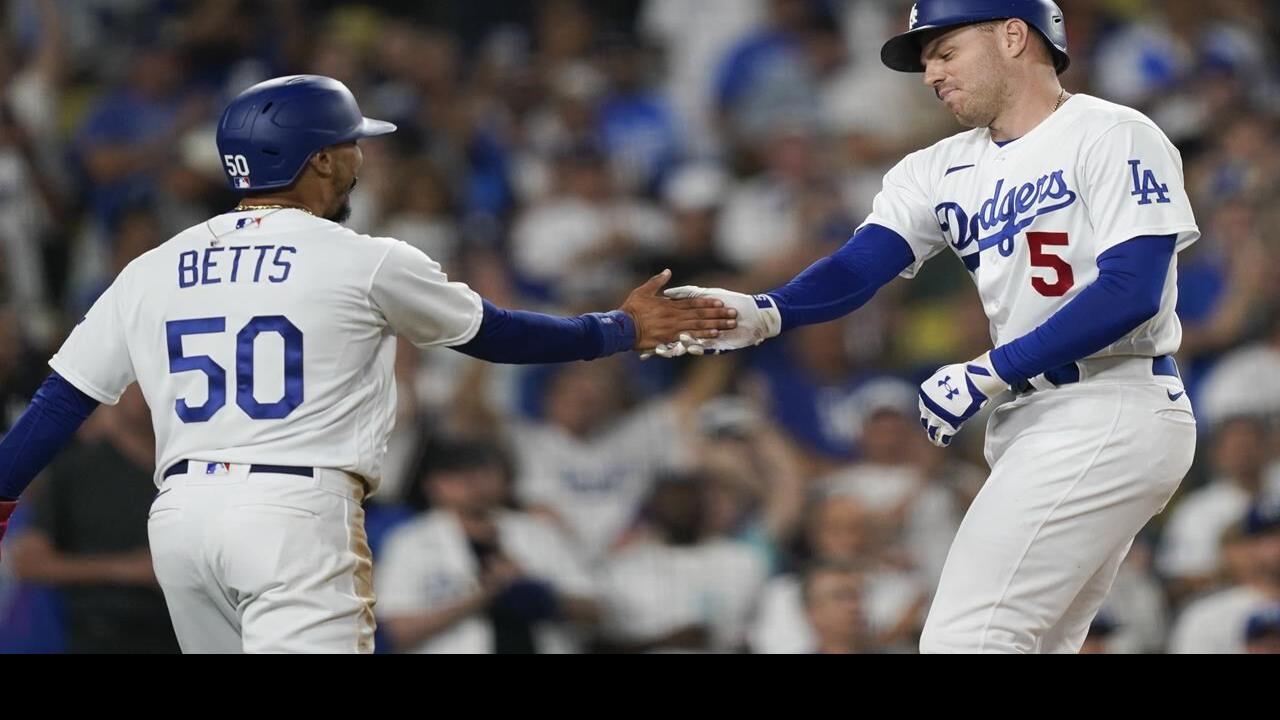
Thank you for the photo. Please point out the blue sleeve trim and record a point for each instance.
(524, 338)
(1127, 293)
(843, 281)
(55, 413)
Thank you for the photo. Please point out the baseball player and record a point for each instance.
(1068, 212)
(263, 342)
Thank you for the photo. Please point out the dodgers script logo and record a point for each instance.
(1006, 213)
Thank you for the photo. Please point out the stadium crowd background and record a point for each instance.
(553, 154)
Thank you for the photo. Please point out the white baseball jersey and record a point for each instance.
(267, 337)
(428, 565)
(597, 484)
(1030, 219)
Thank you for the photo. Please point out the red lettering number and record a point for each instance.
(1041, 259)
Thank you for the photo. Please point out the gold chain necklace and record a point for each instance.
(252, 208)
(1062, 97)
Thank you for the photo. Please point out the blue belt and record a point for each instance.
(1070, 373)
(180, 468)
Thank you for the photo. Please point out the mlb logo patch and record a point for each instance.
(243, 223)
(242, 183)
(214, 468)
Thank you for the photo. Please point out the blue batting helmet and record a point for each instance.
(268, 132)
(902, 52)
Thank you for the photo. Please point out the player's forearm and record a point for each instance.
(522, 337)
(1126, 294)
(54, 415)
(845, 280)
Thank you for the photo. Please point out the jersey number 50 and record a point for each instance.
(217, 376)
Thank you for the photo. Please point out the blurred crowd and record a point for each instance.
(553, 155)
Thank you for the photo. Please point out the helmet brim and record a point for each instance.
(902, 52)
(373, 128)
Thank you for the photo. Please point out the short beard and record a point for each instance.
(344, 210)
(343, 213)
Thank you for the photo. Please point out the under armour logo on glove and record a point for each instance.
(953, 395)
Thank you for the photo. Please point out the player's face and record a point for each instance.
(964, 68)
(347, 161)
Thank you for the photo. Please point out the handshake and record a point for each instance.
(757, 319)
(730, 321)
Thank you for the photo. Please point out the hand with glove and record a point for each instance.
(661, 320)
(954, 394)
(757, 319)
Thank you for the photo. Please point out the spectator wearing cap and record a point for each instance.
(1190, 549)
(1215, 624)
(1262, 632)
(472, 575)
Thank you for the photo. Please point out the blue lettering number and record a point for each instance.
(175, 330)
(217, 396)
(292, 398)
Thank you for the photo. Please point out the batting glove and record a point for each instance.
(758, 320)
(954, 394)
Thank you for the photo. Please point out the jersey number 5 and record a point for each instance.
(217, 376)
(1065, 279)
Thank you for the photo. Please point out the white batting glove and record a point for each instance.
(954, 394)
(687, 344)
(758, 320)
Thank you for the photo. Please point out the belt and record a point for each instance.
(180, 468)
(1070, 373)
